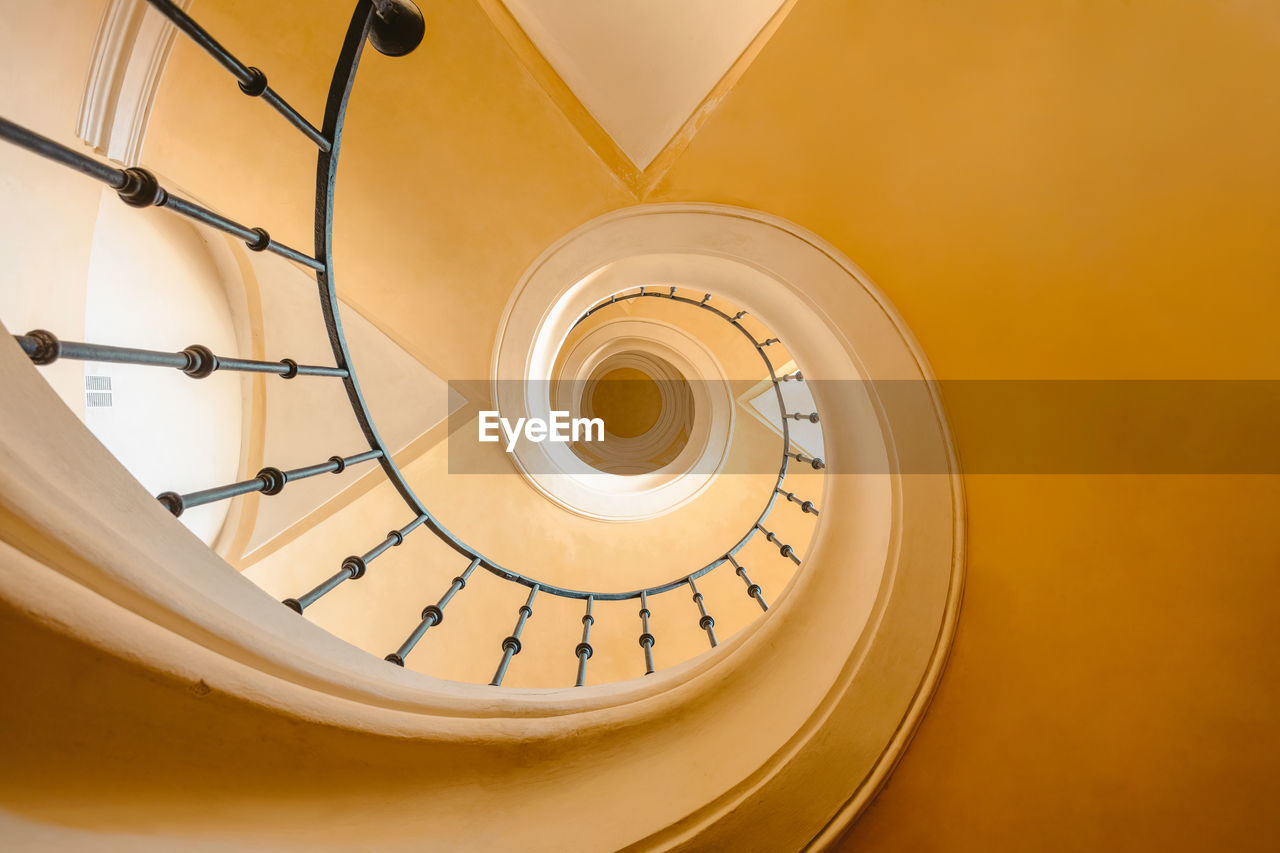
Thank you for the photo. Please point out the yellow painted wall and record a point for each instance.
(1077, 189)
(1045, 190)
(1059, 190)
(1067, 189)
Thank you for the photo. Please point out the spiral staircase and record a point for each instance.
(717, 631)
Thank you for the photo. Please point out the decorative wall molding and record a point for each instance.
(129, 54)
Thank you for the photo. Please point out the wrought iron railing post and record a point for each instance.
(706, 623)
(584, 649)
(646, 638)
(817, 464)
(269, 481)
(753, 589)
(197, 361)
(511, 645)
(783, 548)
(805, 506)
(432, 614)
(353, 568)
(139, 188)
(251, 80)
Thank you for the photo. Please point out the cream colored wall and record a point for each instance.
(49, 221)
(309, 419)
(47, 213)
(1082, 190)
(152, 283)
(67, 243)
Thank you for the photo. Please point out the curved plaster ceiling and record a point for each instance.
(641, 67)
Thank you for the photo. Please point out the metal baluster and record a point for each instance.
(817, 464)
(706, 623)
(197, 361)
(45, 147)
(768, 342)
(252, 81)
(270, 481)
(646, 639)
(511, 645)
(738, 316)
(805, 506)
(139, 188)
(753, 589)
(811, 417)
(257, 239)
(783, 548)
(584, 650)
(353, 568)
(432, 614)
(790, 377)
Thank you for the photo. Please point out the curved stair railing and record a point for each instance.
(394, 28)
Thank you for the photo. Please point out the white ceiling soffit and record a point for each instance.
(641, 66)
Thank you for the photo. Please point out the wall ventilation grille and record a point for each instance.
(97, 392)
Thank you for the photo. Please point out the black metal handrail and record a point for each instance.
(394, 28)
